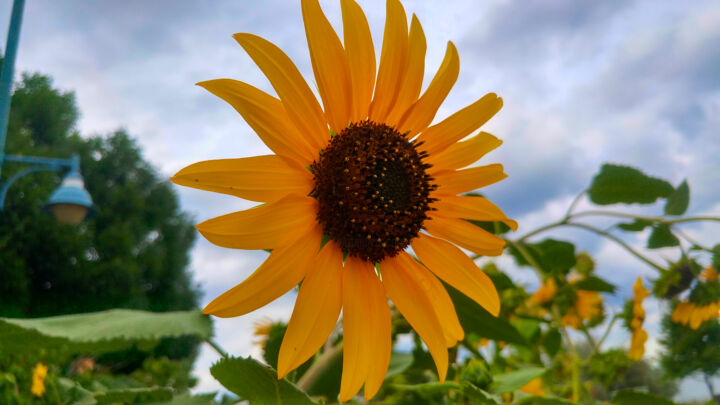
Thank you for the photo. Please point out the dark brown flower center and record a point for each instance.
(372, 189)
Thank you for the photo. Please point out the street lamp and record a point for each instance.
(70, 203)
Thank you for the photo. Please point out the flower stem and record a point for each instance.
(575, 367)
(217, 348)
(320, 365)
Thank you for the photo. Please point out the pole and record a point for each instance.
(8, 67)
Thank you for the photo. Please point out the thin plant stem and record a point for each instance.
(618, 241)
(574, 204)
(575, 367)
(589, 337)
(217, 348)
(607, 331)
(661, 220)
(691, 240)
(710, 387)
(320, 365)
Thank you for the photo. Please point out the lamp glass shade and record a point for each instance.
(70, 203)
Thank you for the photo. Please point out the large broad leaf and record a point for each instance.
(543, 401)
(100, 332)
(475, 319)
(257, 383)
(622, 184)
(553, 256)
(661, 236)
(627, 397)
(679, 200)
(399, 362)
(514, 380)
(594, 283)
(551, 341)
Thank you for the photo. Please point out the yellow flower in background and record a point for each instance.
(371, 175)
(639, 335)
(534, 387)
(587, 307)
(38, 377)
(545, 293)
(694, 315)
(709, 274)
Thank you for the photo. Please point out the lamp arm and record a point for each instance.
(21, 173)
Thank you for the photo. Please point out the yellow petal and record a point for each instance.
(439, 298)
(296, 96)
(266, 116)
(316, 311)
(410, 297)
(412, 82)
(461, 124)
(380, 339)
(421, 114)
(259, 178)
(284, 269)
(262, 227)
(461, 181)
(393, 61)
(332, 73)
(462, 154)
(477, 208)
(360, 291)
(455, 268)
(464, 234)
(361, 57)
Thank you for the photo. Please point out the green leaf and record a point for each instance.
(661, 236)
(494, 227)
(594, 283)
(635, 226)
(622, 184)
(475, 319)
(478, 396)
(187, 399)
(134, 395)
(528, 328)
(514, 380)
(627, 397)
(553, 256)
(399, 362)
(428, 388)
(100, 332)
(74, 393)
(679, 200)
(551, 341)
(543, 401)
(257, 383)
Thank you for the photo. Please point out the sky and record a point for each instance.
(583, 82)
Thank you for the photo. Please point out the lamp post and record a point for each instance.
(70, 203)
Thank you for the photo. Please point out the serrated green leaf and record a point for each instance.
(514, 380)
(100, 332)
(627, 397)
(634, 226)
(257, 383)
(661, 236)
(553, 256)
(399, 362)
(475, 319)
(551, 341)
(534, 400)
(623, 184)
(679, 200)
(594, 283)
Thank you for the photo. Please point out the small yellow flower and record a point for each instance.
(545, 293)
(534, 387)
(693, 315)
(710, 274)
(639, 335)
(587, 307)
(637, 345)
(262, 331)
(38, 385)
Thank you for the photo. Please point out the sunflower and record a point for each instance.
(350, 187)
(639, 335)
